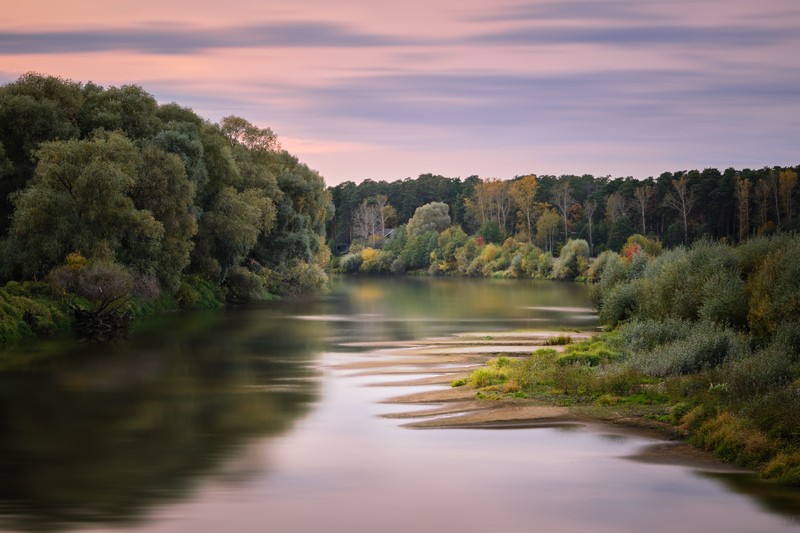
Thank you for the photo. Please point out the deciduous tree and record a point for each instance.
(523, 192)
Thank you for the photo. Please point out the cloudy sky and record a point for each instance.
(385, 90)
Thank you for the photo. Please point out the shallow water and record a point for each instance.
(244, 421)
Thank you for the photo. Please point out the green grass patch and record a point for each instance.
(560, 340)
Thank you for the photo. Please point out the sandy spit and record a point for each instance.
(457, 407)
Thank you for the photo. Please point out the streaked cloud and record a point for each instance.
(174, 39)
(649, 34)
(362, 89)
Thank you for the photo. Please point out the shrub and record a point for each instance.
(572, 260)
(648, 246)
(23, 315)
(724, 300)
(486, 377)
(733, 440)
(579, 357)
(637, 266)
(620, 303)
(645, 335)
(774, 290)
(599, 265)
(398, 266)
(544, 265)
(784, 467)
(246, 286)
(350, 263)
(560, 340)
(368, 259)
(196, 292)
(705, 347)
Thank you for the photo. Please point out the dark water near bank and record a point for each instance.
(240, 421)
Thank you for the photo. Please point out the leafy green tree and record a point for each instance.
(523, 191)
(547, 229)
(418, 249)
(183, 139)
(573, 260)
(302, 212)
(163, 189)
(33, 109)
(239, 131)
(448, 244)
(491, 233)
(173, 112)
(229, 230)
(128, 108)
(79, 201)
(429, 217)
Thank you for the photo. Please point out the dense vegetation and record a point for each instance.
(109, 197)
(545, 212)
(706, 337)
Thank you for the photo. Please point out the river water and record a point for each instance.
(244, 420)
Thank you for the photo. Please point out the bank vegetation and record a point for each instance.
(705, 338)
(114, 204)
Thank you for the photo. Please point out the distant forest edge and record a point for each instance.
(546, 212)
(114, 205)
(111, 201)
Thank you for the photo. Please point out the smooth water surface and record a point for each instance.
(243, 421)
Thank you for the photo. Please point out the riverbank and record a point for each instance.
(447, 401)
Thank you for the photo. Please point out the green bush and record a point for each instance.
(350, 263)
(580, 357)
(774, 290)
(707, 346)
(28, 310)
(644, 335)
(196, 292)
(724, 300)
(486, 377)
(620, 303)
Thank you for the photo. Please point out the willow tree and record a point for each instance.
(79, 201)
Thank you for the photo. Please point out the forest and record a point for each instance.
(110, 198)
(540, 214)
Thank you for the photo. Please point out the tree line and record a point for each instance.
(104, 187)
(674, 208)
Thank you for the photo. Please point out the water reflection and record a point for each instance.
(771, 497)
(242, 420)
(396, 309)
(103, 433)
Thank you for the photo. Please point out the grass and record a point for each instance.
(595, 377)
(560, 340)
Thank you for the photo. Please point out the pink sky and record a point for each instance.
(364, 89)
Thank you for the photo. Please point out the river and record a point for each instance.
(245, 420)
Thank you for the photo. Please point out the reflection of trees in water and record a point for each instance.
(402, 308)
(773, 498)
(101, 438)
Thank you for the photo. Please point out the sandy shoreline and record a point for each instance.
(444, 360)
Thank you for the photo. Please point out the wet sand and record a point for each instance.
(443, 360)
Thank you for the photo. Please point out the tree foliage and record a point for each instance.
(152, 190)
